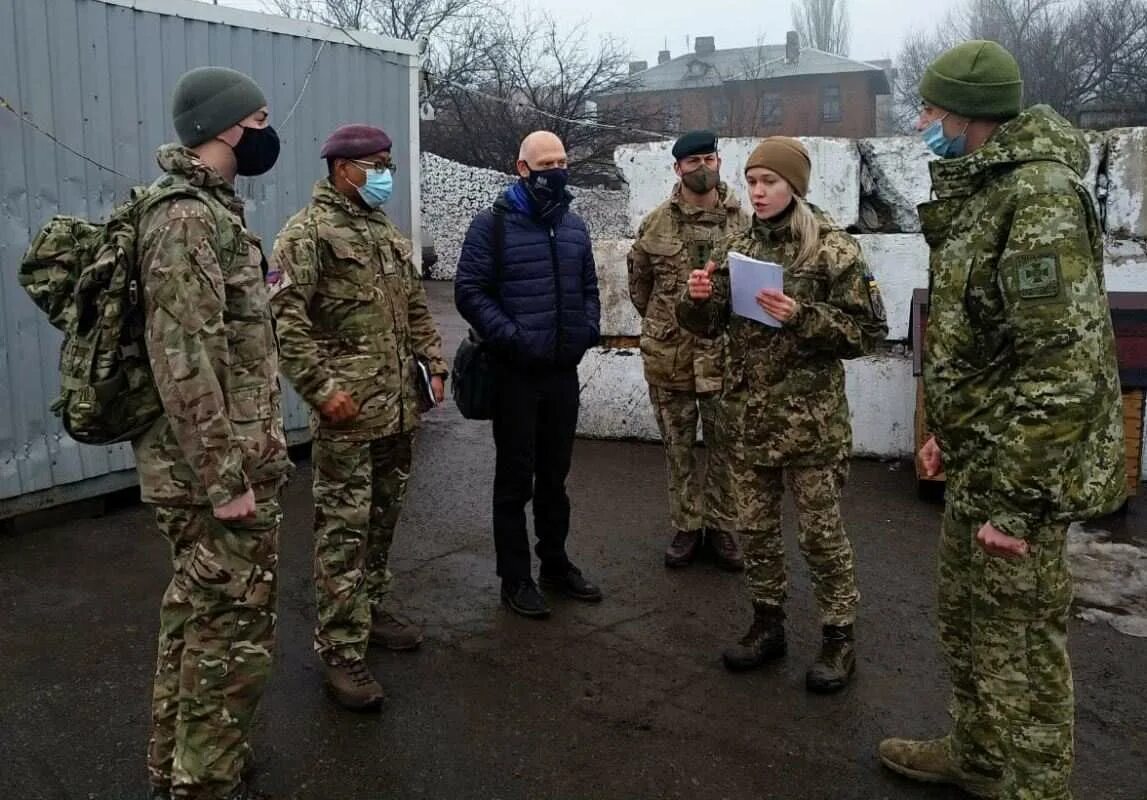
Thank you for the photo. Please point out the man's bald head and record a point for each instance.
(541, 150)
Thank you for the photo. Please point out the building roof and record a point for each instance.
(692, 71)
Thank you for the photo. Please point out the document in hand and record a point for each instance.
(422, 384)
(747, 277)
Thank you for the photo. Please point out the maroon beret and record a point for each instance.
(355, 141)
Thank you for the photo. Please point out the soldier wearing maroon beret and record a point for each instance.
(358, 343)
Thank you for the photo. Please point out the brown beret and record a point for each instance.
(785, 156)
(355, 141)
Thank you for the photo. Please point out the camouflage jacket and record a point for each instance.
(783, 401)
(675, 239)
(352, 315)
(211, 347)
(1020, 377)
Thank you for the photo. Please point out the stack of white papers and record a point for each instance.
(747, 277)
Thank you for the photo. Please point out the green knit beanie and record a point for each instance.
(209, 100)
(977, 79)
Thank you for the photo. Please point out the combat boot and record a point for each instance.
(247, 792)
(764, 642)
(387, 630)
(931, 761)
(353, 686)
(836, 662)
(683, 548)
(727, 553)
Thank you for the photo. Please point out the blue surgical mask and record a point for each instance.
(941, 145)
(376, 191)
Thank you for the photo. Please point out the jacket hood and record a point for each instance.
(1037, 134)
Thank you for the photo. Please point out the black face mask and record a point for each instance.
(257, 151)
(547, 188)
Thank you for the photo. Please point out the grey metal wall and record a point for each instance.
(98, 75)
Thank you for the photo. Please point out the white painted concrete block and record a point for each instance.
(1097, 145)
(1125, 265)
(618, 316)
(900, 264)
(898, 166)
(1127, 181)
(834, 185)
(881, 396)
(614, 397)
(882, 399)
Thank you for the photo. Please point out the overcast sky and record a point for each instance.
(646, 26)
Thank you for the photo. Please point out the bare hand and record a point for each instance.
(777, 303)
(438, 385)
(701, 282)
(340, 408)
(932, 458)
(995, 542)
(241, 507)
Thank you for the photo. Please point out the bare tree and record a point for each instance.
(1070, 55)
(823, 25)
(459, 33)
(538, 77)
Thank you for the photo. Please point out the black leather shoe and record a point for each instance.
(571, 584)
(524, 598)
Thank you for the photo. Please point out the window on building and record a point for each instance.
(772, 110)
(719, 110)
(673, 116)
(830, 104)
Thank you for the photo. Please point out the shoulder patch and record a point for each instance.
(1037, 275)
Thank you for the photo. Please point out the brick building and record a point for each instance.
(756, 91)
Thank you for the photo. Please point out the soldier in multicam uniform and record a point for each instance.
(353, 327)
(1022, 393)
(684, 371)
(783, 416)
(214, 464)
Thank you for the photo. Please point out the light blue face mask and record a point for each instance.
(378, 187)
(941, 145)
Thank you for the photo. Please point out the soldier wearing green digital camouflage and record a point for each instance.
(355, 334)
(783, 417)
(214, 463)
(1022, 394)
(684, 371)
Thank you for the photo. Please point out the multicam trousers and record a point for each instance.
(816, 492)
(692, 487)
(216, 637)
(1003, 629)
(359, 488)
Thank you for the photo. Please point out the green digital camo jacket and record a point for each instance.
(675, 239)
(352, 315)
(211, 346)
(783, 401)
(1020, 376)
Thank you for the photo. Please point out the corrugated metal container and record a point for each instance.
(97, 76)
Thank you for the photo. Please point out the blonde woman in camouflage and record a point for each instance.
(783, 417)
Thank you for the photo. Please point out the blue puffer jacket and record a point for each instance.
(545, 312)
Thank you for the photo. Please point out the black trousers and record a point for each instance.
(535, 420)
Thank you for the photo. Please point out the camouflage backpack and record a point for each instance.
(84, 276)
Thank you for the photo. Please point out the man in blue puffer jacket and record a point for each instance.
(537, 309)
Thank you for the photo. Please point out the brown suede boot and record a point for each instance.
(353, 686)
(392, 632)
(931, 761)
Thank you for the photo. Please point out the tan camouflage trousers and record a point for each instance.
(358, 489)
(216, 638)
(1003, 629)
(691, 485)
(820, 534)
